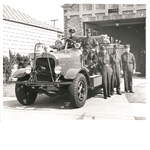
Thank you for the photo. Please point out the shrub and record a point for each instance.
(8, 64)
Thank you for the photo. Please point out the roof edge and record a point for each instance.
(59, 31)
(32, 23)
(67, 5)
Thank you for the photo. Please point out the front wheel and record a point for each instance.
(78, 91)
(25, 95)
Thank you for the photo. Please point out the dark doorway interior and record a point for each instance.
(133, 34)
(128, 34)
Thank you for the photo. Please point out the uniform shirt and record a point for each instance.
(104, 60)
(128, 58)
(92, 57)
(89, 43)
(115, 59)
(71, 43)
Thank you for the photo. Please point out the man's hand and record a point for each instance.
(133, 71)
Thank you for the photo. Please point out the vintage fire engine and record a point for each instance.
(54, 73)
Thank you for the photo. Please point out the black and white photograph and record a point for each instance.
(87, 62)
(77, 70)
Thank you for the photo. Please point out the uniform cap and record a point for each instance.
(127, 46)
(72, 30)
(88, 30)
(116, 46)
(103, 48)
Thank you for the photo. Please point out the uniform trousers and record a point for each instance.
(116, 77)
(106, 80)
(128, 72)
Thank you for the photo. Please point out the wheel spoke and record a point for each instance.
(80, 96)
(81, 90)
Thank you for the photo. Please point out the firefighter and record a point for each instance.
(92, 62)
(88, 44)
(129, 66)
(143, 63)
(106, 71)
(73, 38)
(116, 64)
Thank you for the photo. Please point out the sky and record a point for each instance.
(42, 10)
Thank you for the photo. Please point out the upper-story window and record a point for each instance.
(94, 33)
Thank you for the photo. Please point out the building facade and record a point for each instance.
(21, 32)
(126, 22)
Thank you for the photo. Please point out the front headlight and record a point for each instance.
(28, 69)
(58, 69)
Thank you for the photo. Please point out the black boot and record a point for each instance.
(112, 93)
(119, 93)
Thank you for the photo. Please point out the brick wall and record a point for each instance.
(76, 20)
(127, 12)
(99, 6)
(65, 26)
(113, 6)
(141, 4)
(75, 8)
(141, 13)
(86, 16)
(86, 7)
(127, 5)
(21, 38)
(73, 23)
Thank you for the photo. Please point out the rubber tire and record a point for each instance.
(21, 90)
(73, 91)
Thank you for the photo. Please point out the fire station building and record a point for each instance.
(125, 22)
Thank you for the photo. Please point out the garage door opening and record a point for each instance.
(131, 31)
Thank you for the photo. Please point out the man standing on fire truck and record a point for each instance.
(88, 44)
(73, 39)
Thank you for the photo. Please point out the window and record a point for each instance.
(94, 33)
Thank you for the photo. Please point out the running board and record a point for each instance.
(95, 81)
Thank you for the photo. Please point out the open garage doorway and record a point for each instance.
(129, 31)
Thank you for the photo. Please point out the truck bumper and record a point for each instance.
(40, 83)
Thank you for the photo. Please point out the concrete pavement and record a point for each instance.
(58, 108)
(114, 108)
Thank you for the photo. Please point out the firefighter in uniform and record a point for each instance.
(116, 64)
(88, 44)
(73, 38)
(129, 66)
(143, 62)
(106, 71)
(92, 62)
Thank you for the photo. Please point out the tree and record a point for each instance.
(7, 69)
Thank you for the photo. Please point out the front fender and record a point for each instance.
(72, 73)
(19, 73)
